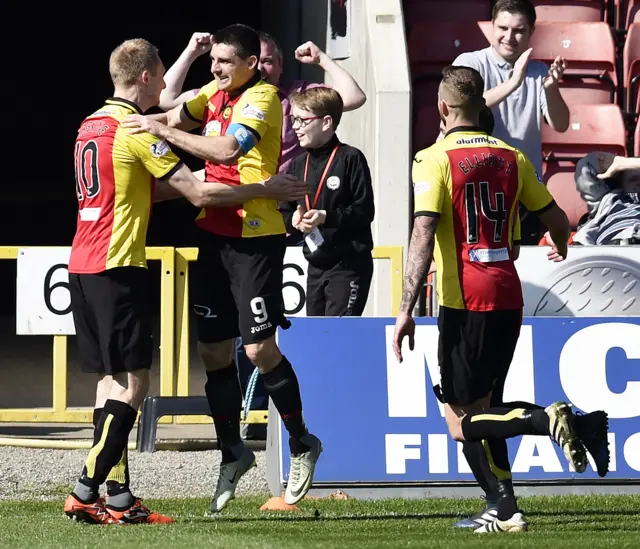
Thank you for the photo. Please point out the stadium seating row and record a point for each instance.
(604, 114)
(619, 13)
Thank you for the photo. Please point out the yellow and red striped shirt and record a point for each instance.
(473, 183)
(114, 183)
(259, 111)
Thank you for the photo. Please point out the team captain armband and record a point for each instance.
(245, 137)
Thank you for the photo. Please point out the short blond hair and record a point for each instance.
(321, 102)
(130, 59)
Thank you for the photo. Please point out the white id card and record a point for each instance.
(314, 240)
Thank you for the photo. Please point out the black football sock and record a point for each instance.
(97, 414)
(282, 385)
(477, 460)
(497, 455)
(112, 433)
(225, 400)
(118, 479)
(504, 423)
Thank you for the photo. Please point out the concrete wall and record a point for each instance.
(382, 127)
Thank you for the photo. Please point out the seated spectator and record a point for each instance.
(610, 185)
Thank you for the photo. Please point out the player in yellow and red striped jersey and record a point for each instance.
(108, 279)
(237, 288)
(467, 187)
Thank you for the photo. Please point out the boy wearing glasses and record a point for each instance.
(335, 217)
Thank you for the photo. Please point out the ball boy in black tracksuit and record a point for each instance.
(335, 218)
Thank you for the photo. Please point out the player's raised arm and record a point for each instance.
(173, 96)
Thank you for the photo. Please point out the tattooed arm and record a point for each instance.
(418, 262)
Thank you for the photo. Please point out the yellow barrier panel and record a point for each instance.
(185, 255)
(59, 413)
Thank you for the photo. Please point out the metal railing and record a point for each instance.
(174, 339)
(59, 412)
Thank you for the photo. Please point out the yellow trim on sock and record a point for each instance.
(119, 471)
(500, 474)
(90, 464)
(513, 414)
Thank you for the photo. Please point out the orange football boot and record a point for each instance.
(139, 514)
(91, 513)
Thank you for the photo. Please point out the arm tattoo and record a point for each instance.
(418, 260)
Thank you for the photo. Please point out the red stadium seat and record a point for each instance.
(590, 53)
(431, 47)
(418, 11)
(591, 128)
(569, 10)
(631, 61)
(636, 140)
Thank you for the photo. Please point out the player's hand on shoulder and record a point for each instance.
(200, 43)
(285, 187)
(308, 53)
(137, 123)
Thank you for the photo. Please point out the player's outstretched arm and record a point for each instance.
(224, 149)
(419, 257)
(172, 96)
(207, 194)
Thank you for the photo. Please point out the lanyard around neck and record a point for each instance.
(324, 175)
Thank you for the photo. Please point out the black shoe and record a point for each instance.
(487, 515)
(592, 429)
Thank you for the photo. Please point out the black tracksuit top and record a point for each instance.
(347, 197)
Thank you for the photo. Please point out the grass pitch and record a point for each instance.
(581, 522)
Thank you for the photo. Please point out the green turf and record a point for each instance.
(564, 522)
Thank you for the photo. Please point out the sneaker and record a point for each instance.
(516, 523)
(301, 470)
(139, 514)
(562, 431)
(91, 513)
(487, 515)
(592, 429)
(230, 474)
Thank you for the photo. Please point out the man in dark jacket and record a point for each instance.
(335, 218)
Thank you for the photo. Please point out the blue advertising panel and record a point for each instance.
(380, 421)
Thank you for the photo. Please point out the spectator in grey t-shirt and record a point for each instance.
(519, 91)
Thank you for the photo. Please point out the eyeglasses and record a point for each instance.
(302, 122)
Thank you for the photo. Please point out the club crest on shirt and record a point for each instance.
(226, 113)
(212, 128)
(251, 111)
(333, 182)
(159, 149)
